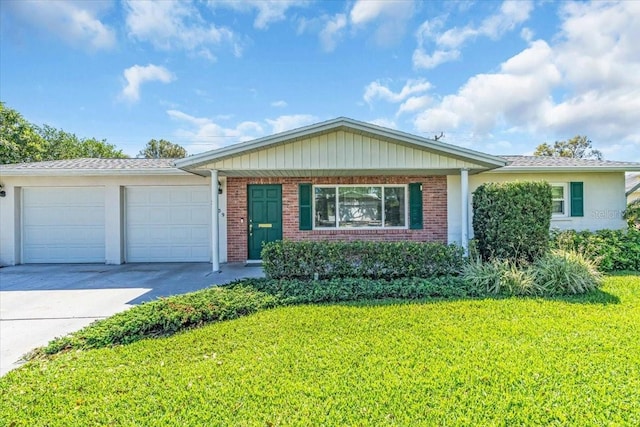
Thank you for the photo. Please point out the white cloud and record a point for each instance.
(583, 82)
(285, 123)
(391, 18)
(332, 32)
(421, 59)
(448, 43)
(172, 24)
(377, 90)
(137, 75)
(77, 23)
(279, 104)
(415, 103)
(269, 11)
(519, 93)
(365, 11)
(202, 134)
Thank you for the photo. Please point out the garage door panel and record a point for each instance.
(64, 236)
(63, 225)
(168, 224)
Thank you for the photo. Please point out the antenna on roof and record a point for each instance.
(439, 137)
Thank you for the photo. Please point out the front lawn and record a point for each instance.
(512, 361)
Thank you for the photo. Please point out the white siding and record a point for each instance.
(604, 199)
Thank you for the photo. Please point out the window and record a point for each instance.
(360, 206)
(559, 200)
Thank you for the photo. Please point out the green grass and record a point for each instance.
(510, 361)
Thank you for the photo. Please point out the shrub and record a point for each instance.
(565, 272)
(497, 277)
(511, 220)
(632, 214)
(375, 260)
(610, 249)
(295, 291)
(166, 316)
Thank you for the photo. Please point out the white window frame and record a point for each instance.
(382, 227)
(566, 199)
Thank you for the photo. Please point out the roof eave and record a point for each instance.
(90, 172)
(542, 169)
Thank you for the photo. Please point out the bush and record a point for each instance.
(564, 273)
(498, 277)
(166, 316)
(375, 260)
(294, 291)
(556, 273)
(632, 214)
(511, 220)
(610, 249)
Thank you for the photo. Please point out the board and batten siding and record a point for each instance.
(339, 150)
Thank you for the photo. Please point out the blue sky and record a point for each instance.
(498, 77)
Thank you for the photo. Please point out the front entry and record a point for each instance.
(265, 216)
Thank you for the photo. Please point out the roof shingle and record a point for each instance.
(96, 164)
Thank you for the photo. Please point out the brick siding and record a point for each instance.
(434, 212)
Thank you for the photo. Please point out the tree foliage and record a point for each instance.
(162, 149)
(19, 139)
(578, 147)
(22, 141)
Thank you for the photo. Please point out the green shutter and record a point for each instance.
(415, 206)
(577, 199)
(304, 202)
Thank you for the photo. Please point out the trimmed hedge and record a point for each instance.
(351, 289)
(374, 260)
(611, 249)
(511, 220)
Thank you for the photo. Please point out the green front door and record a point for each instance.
(265, 216)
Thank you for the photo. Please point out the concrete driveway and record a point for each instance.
(41, 302)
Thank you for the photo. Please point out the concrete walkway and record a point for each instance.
(42, 302)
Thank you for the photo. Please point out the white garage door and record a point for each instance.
(63, 225)
(168, 224)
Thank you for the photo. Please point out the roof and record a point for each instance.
(563, 164)
(632, 183)
(93, 167)
(486, 161)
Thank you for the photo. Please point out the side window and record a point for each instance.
(559, 200)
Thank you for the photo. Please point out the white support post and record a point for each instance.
(464, 209)
(215, 223)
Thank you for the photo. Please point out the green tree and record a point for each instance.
(162, 149)
(19, 139)
(65, 145)
(578, 147)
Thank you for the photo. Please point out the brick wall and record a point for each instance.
(434, 205)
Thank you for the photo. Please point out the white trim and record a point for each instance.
(215, 223)
(464, 209)
(382, 227)
(566, 199)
